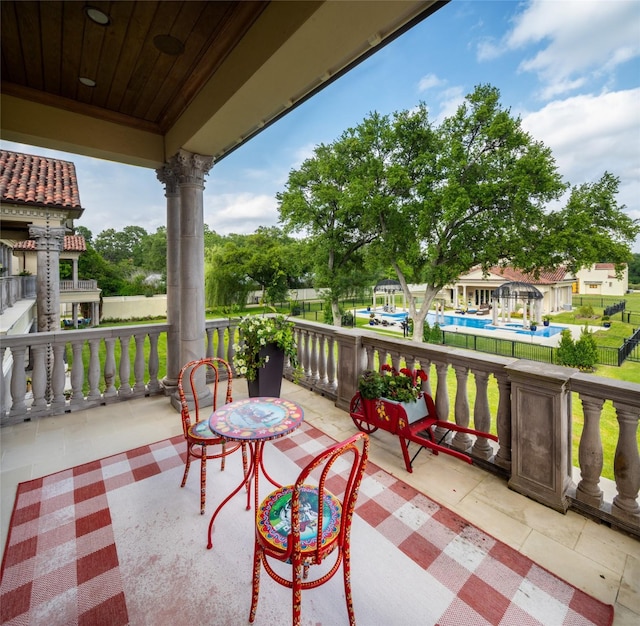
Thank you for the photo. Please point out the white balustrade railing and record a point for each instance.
(533, 399)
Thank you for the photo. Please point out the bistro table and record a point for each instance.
(254, 421)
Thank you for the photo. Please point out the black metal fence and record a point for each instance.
(544, 354)
(502, 347)
(615, 308)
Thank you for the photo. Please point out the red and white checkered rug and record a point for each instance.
(117, 541)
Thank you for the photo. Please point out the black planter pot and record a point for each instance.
(268, 379)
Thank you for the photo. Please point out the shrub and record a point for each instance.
(586, 351)
(566, 351)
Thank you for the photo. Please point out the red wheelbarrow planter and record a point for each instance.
(411, 422)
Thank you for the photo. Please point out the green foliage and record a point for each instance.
(432, 334)
(566, 351)
(582, 354)
(586, 351)
(402, 386)
(586, 310)
(256, 332)
(634, 269)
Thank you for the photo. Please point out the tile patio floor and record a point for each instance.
(596, 559)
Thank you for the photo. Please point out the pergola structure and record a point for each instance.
(388, 289)
(509, 294)
(177, 86)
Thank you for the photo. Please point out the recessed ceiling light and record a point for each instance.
(168, 44)
(97, 16)
(89, 82)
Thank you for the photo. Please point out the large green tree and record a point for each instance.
(472, 191)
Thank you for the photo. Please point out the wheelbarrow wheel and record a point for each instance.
(356, 410)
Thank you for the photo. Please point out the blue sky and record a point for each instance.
(569, 69)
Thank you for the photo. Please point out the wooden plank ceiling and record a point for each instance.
(48, 46)
(161, 76)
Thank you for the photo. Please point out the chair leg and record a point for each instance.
(297, 588)
(187, 465)
(346, 572)
(255, 585)
(203, 479)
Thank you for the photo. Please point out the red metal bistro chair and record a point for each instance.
(197, 432)
(304, 523)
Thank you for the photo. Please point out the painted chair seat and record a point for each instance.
(273, 519)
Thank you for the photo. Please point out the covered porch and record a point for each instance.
(598, 560)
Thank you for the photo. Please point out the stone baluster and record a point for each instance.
(58, 375)
(231, 334)
(306, 353)
(626, 465)
(482, 415)
(139, 364)
(332, 382)
(110, 368)
(462, 441)
(77, 374)
(313, 339)
(370, 353)
(39, 377)
(18, 381)
(154, 363)
(590, 452)
(94, 370)
(503, 421)
(209, 347)
(220, 331)
(426, 384)
(442, 399)
(322, 361)
(125, 366)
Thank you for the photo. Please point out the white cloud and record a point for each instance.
(240, 213)
(580, 40)
(429, 82)
(591, 134)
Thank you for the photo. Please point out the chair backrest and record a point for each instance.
(339, 470)
(216, 371)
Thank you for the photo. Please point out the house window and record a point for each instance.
(592, 286)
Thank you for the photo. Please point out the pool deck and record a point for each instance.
(481, 332)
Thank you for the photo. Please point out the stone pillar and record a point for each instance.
(191, 170)
(169, 177)
(49, 243)
(75, 273)
(351, 363)
(541, 432)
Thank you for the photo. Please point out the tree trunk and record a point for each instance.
(335, 310)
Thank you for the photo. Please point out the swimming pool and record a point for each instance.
(471, 321)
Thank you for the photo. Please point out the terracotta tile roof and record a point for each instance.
(72, 243)
(545, 278)
(28, 179)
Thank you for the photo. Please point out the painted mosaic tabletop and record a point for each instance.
(256, 419)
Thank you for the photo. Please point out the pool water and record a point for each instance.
(471, 321)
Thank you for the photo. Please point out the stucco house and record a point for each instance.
(39, 199)
(600, 279)
(474, 288)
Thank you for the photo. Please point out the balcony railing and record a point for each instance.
(533, 417)
(14, 288)
(80, 285)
